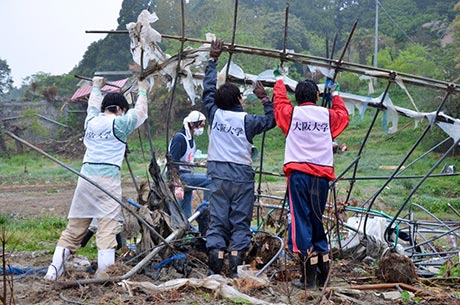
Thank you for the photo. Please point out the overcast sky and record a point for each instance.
(49, 35)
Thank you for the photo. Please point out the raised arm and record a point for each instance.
(210, 78)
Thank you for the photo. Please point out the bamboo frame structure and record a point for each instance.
(338, 65)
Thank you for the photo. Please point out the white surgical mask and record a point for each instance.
(198, 131)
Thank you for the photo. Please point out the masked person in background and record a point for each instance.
(230, 165)
(107, 126)
(182, 149)
(308, 165)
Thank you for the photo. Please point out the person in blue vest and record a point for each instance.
(182, 148)
(232, 131)
(108, 123)
(308, 165)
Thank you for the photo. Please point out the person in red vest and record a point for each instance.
(308, 165)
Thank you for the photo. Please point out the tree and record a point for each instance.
(6, 81)
(49, 87)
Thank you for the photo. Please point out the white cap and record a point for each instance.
(193, 116)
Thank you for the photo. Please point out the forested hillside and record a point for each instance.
(419, 37)
(403, 24)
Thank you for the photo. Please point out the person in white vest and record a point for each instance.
(232, 131)
(308, 165)
(182, 148)
(107, 126)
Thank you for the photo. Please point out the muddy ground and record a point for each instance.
(346, 284)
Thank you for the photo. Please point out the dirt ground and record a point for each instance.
(346, 284)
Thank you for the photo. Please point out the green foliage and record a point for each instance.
(409, 60)
(49, 87)
(450, 268)
(44, 230)
(241, 302)
(6, 80)
(261, 24)
(405, 296)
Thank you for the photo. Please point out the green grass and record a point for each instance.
(32, 234)
(37, 234)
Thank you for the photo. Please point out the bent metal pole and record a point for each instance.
(135, 269)
(124, 205)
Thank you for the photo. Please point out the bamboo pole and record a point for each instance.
(317, 61)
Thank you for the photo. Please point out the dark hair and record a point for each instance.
(111, 100)
(227, 96)
(306, 91)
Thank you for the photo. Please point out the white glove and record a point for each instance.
(143, 85)
(179, 193)
(98, 81)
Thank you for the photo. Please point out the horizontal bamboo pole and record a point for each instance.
(318, 61)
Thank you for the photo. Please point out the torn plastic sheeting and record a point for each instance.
(374, 245)
(145, 39)
(361, 102)
(453, 130)
(216, 283)
(234, 71)
(268, 76)
(145, 48)
(324, 71)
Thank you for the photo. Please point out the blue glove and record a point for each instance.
(329, 87)
(202, 207)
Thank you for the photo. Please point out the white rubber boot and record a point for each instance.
(56, 269)
(105, 258)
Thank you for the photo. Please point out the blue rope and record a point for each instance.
(24, 271)
(167, 261)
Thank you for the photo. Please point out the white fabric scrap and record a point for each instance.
(234, 71)
(401, 84)
(144, 38)
(453, 130)
(360, 102)
(324, 71)
(268, 76)
(216, 283)
(146, 50)
(370, 81)
(392, 115)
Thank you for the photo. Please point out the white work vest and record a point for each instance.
(102, 146)
(227, 139)
(309, 139)
(188, 157)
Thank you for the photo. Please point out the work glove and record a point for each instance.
(179, 193)
(259, 90)
(98, 81)
(143, 85)
(279, 72)
(216, 49)
(202, 207)
(336, 88)
(329, 87)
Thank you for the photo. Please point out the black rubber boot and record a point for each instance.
(323, 268)
(86, 238)
(216, 261)
(234, 260)
(308, 270)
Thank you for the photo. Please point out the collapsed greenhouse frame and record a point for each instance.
(428, 231)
